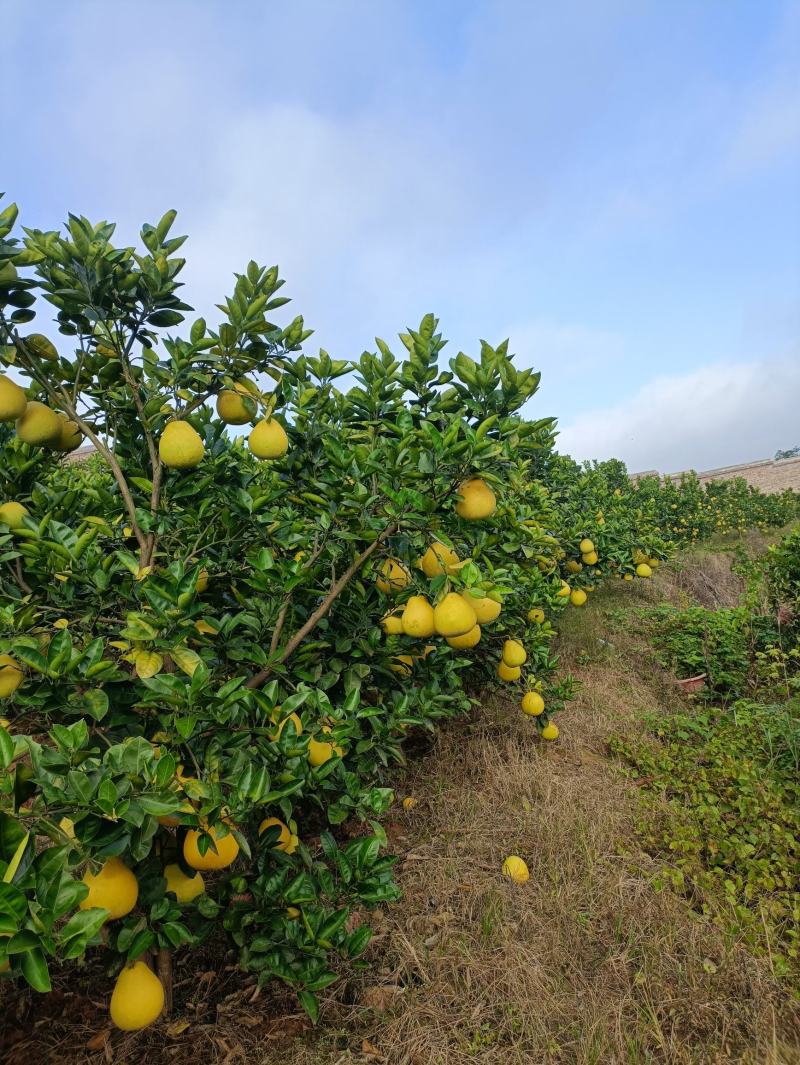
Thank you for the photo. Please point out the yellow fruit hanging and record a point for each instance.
(506, 672)
(402, 664)
(469, 639)
(486, 610)
(532, 704)
(573, 566)
(11, 514)
(181, 446)
(137, 999)
(287, 842)
(38, 425)
(536, 615)
(392, 624)
(184, 888)
(590, 558)
(70, 437)
(11, 676)
(453, 616)
(281, 723)
(439, 558)
(320, 752)
(585, 546)
(13, 400)
(236, 406)
(222, 853)
(417, 619)
(550, 731)
(113, 888)
(514, 654)
(268, 440)
(563, 591)
(393, 576)
(477, 501)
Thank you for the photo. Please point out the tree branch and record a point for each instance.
(335, 591)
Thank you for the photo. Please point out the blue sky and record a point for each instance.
(614, 184)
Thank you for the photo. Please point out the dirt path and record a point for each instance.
(587, 962)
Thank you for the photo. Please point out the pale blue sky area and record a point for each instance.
(614, 184)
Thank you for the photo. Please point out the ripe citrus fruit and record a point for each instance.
(515, 869)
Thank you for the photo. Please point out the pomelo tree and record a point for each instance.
(212, 644)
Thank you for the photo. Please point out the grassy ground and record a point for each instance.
(586, 963)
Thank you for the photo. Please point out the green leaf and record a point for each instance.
(34, 969)
(310, 1004)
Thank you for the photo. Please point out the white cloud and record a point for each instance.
(715, 416)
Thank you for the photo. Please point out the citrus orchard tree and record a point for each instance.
(212, 645)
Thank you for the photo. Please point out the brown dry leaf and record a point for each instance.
(177, 1028)
(380, 998)
(97, 1042)
(369, 1050)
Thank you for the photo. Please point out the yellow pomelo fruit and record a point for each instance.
(320, 752)
(628, 577)
(184, 888)
(469, 639)
(137, 999)
(292, 913)
(514, 653)
(393, 576)
(268, 440)
(573, 566)
(438, 559)
(477, 501)
(564, 590)
(70, 436)
(643, 570)
(586, 547)
(225, 854)
(578, 597)
(11, 514)
(486, 610)
(392, 624)
(532, 703)
(231, 405)
(515, 869)
(409, 802)
(39, 345)
(506, 672)
(294, 718)
(550, 731)
(202, 581)
(11, 676)
(590, 558)
(13, 400)
(38, 425)
(653, 563)
(181, 446)
(417, 619)
(113, 888)
(402, 664)
(287, 842)
(536, 615)
(453, 616)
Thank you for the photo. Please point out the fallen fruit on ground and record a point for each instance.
(578, 597)
(516, 869)
(550, 731)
